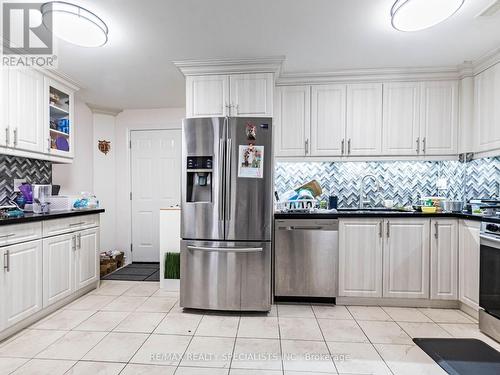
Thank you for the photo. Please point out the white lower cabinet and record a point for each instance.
(87, 257)
(360, 258)
(36, 274)
(444, 259)
(21, 288)
(406, 258)
(58, 268)
(468, 255)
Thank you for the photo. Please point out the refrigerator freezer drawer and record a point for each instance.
(226, 275)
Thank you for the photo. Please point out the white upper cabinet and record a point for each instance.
(439, 118)
(292, 120)
(364, 119)
(328, 120)
(360, 257)
(237, 95)
(444, 259)
(486, 109)
(207, 96)
(251, 95)
(26, 109)
(401, 127)
(406, 258)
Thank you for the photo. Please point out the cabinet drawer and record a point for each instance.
(70, 224)
(16, 233)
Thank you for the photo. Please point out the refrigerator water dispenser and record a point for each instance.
(199, 179)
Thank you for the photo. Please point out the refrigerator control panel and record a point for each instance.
(199, 162)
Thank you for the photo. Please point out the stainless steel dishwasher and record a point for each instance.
(306, 258)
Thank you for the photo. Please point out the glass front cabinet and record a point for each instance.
(59, 119)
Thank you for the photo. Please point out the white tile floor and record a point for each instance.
(134, 328)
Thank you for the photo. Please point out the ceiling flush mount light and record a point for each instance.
(415, 15)
(74, 24)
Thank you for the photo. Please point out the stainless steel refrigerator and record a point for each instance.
(227, 208)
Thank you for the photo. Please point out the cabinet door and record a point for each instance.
(58, 267)
(251, 95)
(406, 258)
(22, 276)
(364, 119)
(26, 109)
(487, 112)
(444, 259)
(292, 125)
(87, 257)
(468, 269)
(401, 119)
(328, 120)
(439, 118)
(360, 258)
(207, 96)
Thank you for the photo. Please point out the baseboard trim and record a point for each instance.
(11, 331)
(397, 302)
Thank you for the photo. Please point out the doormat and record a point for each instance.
(462, 356)
(137, 271)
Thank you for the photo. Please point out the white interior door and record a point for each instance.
(156, 180)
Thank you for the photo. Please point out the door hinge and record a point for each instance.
(130, 195)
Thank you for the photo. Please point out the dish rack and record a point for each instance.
(302, 205)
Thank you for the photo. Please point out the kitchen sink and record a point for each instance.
(370, 209)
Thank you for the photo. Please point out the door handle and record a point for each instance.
(342, 144)
(388, 228)
(349, 146)
(6, 260)
(15, 137)
(228, 177)
(226, 249)
(418, 145)
(424, 144)
(79, 240)
(7, 136)
(222, 174)
(380, 224)
(436, 227)
(306, 146)
(49, 144)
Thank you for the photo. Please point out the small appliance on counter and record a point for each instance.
(41, 194)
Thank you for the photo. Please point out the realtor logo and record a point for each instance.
(24, 33)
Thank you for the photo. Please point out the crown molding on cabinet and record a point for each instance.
(270, 64)
(104, 110)
(302, 159)
(487, 61)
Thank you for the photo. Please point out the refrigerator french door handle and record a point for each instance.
(228, 177)
(222, 174)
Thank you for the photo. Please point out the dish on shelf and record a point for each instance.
(62, 144)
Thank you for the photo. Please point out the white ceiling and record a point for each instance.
(135, 70)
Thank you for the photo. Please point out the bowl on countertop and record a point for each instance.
(429, 209)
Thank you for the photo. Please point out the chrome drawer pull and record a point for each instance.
(75, 224)
(6, 260)
(8, 235)
(227, 249)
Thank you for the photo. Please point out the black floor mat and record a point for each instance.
(136, 272)
(462, 356)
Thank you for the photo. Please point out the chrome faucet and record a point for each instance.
(362, 202)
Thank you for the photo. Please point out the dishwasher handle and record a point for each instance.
(304, 228)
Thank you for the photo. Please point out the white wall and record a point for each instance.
(134, 119)
(77, 177)
(104, 178)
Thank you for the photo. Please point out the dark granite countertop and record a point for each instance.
(384, 214)
(31, 217)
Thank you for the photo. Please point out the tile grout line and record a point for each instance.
(279, 337)
(324, 340)
(234, 344)
(189, 343)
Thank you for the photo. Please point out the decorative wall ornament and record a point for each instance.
(104, 146)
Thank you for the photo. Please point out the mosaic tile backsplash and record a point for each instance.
(402, 181)
(11, 167)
